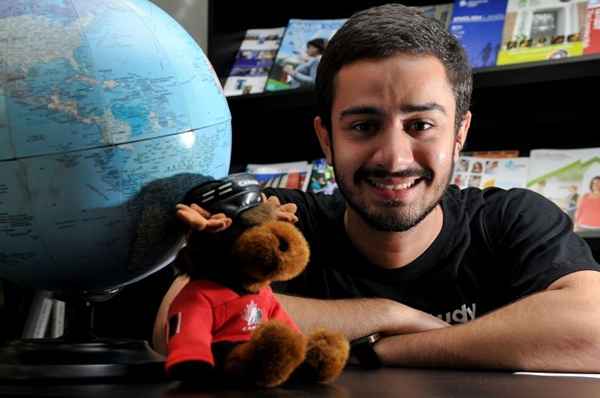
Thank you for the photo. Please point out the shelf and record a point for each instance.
(585, 66)
(521, 106)
(276, 99)
(273, 127)
(538, 72)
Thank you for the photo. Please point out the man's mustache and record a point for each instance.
(363, 173)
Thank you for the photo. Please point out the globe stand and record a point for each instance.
(79, 354)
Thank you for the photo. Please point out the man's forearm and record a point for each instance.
(555, 330)
(358, 317)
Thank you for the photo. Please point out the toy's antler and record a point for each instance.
(199, 219)
(286, 212)
(212, 205)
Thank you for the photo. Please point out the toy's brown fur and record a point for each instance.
(270, 357)
(262, 250)
(274, 251)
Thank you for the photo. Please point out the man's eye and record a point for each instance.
(364, 127)
(419, 125)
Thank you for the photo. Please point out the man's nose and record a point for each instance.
(394, 148)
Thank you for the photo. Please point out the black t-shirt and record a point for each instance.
(495, 247)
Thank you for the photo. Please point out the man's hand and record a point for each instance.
(405, 319)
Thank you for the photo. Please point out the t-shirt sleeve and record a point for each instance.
(189, 329)
(536, 238)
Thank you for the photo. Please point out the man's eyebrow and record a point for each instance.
(407, 108)
(361, 110)
(428, 106)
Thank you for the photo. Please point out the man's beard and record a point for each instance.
(393, 221)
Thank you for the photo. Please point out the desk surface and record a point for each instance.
(405, 383)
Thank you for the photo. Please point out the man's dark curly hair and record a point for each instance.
(382, 32)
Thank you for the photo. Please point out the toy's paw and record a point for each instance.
(270, 357)
(326, 355)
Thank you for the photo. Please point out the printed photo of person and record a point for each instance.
(304, 74)
(475, 181)
(571, 201)
(477, 167)
(463, 165)
(491, 166)
(587, 215)
(459, 180)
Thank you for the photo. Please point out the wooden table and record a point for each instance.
(404, 383)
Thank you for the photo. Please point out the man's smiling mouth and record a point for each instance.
(394, 184)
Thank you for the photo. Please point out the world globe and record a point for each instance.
(109, 114)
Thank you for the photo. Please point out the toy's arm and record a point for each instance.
(358, 317)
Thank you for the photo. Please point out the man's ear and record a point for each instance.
(323, 136)
(461, 134)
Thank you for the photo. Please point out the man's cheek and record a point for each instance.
(441, 158)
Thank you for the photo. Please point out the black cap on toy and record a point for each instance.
(230, 195)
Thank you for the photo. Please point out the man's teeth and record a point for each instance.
(394, 187)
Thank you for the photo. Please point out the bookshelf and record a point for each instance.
(524, 106)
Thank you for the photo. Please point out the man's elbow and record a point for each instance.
(585, 347)
(575, 350)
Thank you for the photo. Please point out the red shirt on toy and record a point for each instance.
(206, 312)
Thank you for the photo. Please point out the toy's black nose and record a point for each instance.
(283, 244)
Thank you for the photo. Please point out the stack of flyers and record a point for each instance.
(483, 172)
(322, 178)
(294, 175)
(253, 62)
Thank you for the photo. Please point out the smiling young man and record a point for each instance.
(449, 278)
(393, 145)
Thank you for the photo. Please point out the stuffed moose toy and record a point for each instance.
(225, 323)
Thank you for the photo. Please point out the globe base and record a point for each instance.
(57, 359)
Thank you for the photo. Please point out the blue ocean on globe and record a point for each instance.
(109, 114)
